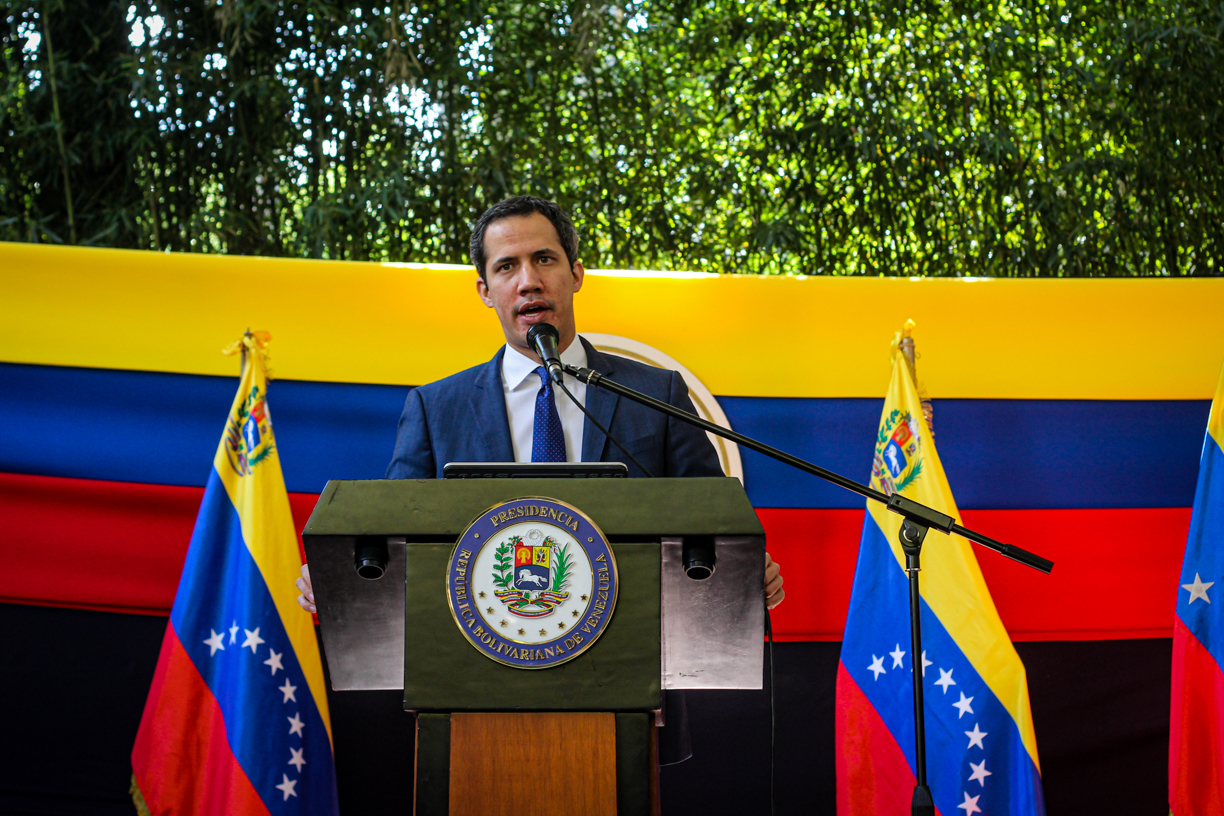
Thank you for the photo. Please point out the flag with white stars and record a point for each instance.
(1196, 726)
(236, 721)
(981, 748)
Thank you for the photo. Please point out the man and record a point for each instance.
(525, 251)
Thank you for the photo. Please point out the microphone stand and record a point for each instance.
(918, 520)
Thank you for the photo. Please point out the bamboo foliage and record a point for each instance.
(1010, 138)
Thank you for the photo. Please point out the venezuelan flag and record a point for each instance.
(981, 748)
(236, 720)
(1196, 724)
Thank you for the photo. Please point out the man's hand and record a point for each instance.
(773, 583)
(306, 599)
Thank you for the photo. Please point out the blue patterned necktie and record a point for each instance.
(547, 438)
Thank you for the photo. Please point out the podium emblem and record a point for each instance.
(532, 583)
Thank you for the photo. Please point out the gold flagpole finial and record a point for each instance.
(250, 341)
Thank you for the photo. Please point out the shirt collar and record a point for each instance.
(517, 367)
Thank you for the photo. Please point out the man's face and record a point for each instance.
(528, 279)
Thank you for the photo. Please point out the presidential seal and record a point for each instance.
(532, 583)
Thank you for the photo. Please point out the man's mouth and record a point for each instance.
(533, 310)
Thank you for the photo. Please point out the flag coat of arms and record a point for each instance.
(236, 721)
(1196, 722)
(980, 744)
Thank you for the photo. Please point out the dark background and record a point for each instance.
(74, 684)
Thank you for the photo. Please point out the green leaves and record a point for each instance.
(764, 137)
(502, 558)
(889, 422)
(910, 478)
(561, 566)
(261, 455)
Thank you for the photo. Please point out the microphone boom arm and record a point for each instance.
(910, 510)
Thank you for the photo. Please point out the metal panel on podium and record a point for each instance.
(493, 697)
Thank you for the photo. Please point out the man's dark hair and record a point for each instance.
(520, 206)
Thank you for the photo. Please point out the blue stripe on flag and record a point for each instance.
(877, 628)
(222, 599)
(154, 428)
(1001, 454)
(136, 426)
(1200, 593)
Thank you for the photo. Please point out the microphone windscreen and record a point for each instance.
(546, 329)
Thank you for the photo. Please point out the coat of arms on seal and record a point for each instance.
(532, 583)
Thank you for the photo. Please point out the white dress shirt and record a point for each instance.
(520, 384)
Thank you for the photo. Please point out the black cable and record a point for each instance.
(772, 712)
(595, 421)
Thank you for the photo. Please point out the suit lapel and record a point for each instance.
(599, 402)
(488, 405)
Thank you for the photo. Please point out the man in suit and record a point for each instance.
(489, 413)
(525, 251)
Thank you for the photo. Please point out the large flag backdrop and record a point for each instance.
(1196, 738)
(1046, 436)
(1048, 430)
(236, 722)
(1049, 438)
(981, 749)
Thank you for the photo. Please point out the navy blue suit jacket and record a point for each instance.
(463, 419)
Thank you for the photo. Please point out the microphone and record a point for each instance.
(543, 337)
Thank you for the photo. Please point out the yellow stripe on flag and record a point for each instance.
(74, 306)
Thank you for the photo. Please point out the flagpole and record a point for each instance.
(907, 348)
(246, 353)
(911, 536)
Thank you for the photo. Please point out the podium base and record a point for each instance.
(491, 764)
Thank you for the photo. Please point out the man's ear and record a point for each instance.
(579, 273)
(482, 289)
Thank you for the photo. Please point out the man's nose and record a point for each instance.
(529, 279)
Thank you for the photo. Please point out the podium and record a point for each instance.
(391, 586)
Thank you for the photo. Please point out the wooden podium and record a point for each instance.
(573, 738)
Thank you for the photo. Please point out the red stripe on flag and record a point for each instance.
(1196, 728)
(1093, 554)
(181, 760)
(118, 546)
(873, 776)
(1115, 571)
(108, 546)
(817, 551)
